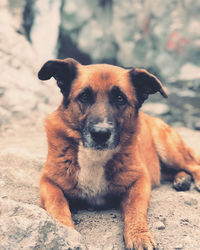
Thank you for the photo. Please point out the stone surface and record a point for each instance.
(189, 72)
(129, 33)
(22, 176)
(155, 109)
(25, 226)
(47, 14)
(197, 125)
(159, 225)
(22, 95)
(133, 33)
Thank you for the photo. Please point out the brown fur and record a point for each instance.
(133, 170)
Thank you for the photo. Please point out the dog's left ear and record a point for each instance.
(145, 84)
(64, 72)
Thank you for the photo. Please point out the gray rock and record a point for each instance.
(189, 71)
(89, 41)
(5, 116)
(135, 34)
(178, 247)
(127, 32)
(19, 174)
(197, 125)
(20, 91)
(25, 226)
(159, 225)
(155, 109)
(191, 202)
(70, 20)
(46, 14)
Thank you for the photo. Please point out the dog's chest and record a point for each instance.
(92, 183)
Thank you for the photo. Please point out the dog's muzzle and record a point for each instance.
(100, 136)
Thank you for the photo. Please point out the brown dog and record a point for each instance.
(101, 148)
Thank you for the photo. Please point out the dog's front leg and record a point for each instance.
(52, 199)
(134, 208)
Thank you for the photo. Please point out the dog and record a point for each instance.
(102, 148)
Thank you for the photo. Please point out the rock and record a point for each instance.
(197, 125)
(25, 226)
(16, 8)
(178, 247)
(159, 225)
(133, 34)
(155, 109)
(127, 33)
(186, 93)
(5, 116)
(189, 72)
(70, 20)
(147, 44)
(20, 180)
(20, 90)
(185, 221)
(46, 14)
(92, 41)
(191, 202)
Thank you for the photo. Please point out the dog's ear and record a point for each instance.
(64, 72)
(145, 84)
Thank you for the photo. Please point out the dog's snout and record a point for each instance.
(100, 135)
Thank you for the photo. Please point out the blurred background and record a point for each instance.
(161, 36)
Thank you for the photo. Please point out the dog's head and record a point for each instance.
(101, 102)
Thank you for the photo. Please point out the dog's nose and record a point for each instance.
(100, 135)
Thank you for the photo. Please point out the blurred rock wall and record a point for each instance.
(22, 97)
(161, 35)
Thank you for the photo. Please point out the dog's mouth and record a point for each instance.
(100, 137)
(90, 143)
(104, 146)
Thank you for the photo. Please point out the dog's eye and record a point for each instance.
(83, 97)
(118, 97)
(86, 96)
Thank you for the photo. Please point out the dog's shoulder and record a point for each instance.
(53, 122)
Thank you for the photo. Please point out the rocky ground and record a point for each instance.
(174, 217)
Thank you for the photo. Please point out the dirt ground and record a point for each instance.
(174, 217)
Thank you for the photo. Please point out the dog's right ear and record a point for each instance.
(145, 84)
(64, 72)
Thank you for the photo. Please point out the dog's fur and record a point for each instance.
(101, 148)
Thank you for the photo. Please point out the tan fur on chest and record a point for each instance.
(92, 183)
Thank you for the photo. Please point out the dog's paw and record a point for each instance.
(182, 183)
(139, 241)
